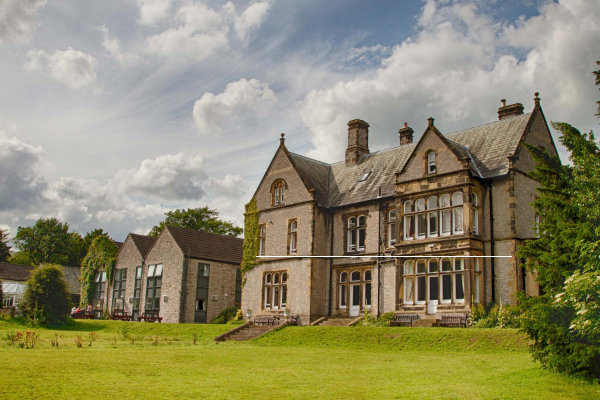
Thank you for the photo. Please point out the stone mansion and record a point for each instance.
(409, 229)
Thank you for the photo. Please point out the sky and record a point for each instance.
(115, 112)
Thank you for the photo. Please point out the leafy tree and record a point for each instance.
(564, 322)
(21, 257)
(102, 254)
(48, 241)
(91, 235)
(4, 247)
(202, 219)
(1, 293)
(46, 299)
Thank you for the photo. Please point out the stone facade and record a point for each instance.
(181, 298)
(410, 229)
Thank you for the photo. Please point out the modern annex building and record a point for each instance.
(437, 206)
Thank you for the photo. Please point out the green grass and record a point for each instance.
(295, 362)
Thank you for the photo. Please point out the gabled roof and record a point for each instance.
(15, 272)
(207, 246)
(143, 243)
(488, 148)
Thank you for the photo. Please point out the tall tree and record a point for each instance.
(564, 323)
(202, 219)
(4, 247)
(48, 241)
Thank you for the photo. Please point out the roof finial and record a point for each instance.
(430, 122)
(536, 99)
(406, 124)
(282, 139)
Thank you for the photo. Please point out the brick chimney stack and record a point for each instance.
(509, 111)
(406, 135)
(358, 141)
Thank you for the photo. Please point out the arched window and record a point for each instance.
(409, 282)
(435, 279)
(355, 276)
(278, 189)
(262, 236)
(293, 237)
(431, 167)
(421, 218)
(409, 221)
(356, 233)
(275, 290)
(457, 212)
(391, 231)
(445, 215)
(475, 213)
(432, 216)
(343, 290)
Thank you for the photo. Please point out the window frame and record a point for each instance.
(278, 189)
(430, 158)
(356, 233)
(262, 239)
(293, 237)
(431, 273)
(391, 227)
(271, 288)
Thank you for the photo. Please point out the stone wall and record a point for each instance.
(129, 258)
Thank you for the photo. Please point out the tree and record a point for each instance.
(22, 258)
(46, 299)
(202, 219)
(102, 254)
(564, 322)
(4, 247)
(48, 241)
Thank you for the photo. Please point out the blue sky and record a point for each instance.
(114, 112)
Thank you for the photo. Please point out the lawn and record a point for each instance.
(161, 361)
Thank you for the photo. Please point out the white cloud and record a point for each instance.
(457, 67)
(368, 56)
(17, 19)
(251, 19)
(113, 46)
(71, 67)
(186, 43)
(238, 97)
(153, 11)
(20, 184)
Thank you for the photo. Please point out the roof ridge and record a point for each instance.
(489, 123)
(310, 159)
(202, 232)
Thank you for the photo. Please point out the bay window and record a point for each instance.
(437, 216)
(275, 290)
(434, 279)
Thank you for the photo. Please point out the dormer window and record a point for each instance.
(278, 192)
(431, 168)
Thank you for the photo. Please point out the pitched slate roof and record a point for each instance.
(487, 147)
(207, 246)
(143, 243)
(15, 272)
(20, 273)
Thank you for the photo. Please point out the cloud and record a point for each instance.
(71, 67)
(153, 11)
(17, 19)
(198, 31)
(367, 56)
(237, 98)
(20, 185)
(251, 19)
(456, 68)
(113, 46)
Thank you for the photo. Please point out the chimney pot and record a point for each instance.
(430, 122)
(406, 135)
(510, 110)
(503, 102)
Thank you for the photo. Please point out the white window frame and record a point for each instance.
(431, 166)
(409, 282)
(457, 207)
(262, 235)
(351, 240)
(408, 216)
(293, 236)
(391, 228)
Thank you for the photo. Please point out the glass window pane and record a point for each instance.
(445, 200)
(433, 265)
(409, 228)
(446, 222)
(368, 275)
(459, 293)
(151, 270)
(446, 287)
(408, 207)
(421, 225)
(458, 219)
(355, 277)
(158, 270)
(421, 267)
(361, 238)
(458, 264)
(367, 294)
(420, 205)
(283, 295)
(268, 278)
(408, 268)
(457, 198)
(409, 290)
(343, 277)
(432, 203)
(446, 264)
(342, 290)
(433, 225)
(421, 288)
(433, 288)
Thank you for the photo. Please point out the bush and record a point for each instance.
(228, 314)
(371, 320)
(46, 300)
(498, 316)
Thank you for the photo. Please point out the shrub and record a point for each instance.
(46, 299)
(228, 314)
(498, 316)
(382, 320)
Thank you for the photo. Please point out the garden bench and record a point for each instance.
(404, 319)
(120, 315)
(453, 321)
(150, 317)
(266, 320)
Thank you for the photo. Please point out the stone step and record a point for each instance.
(337, 322)
(426, 322)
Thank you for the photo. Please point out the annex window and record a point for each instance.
(99, 290)
(475, 213)
(391, 231)
(275, 290)
(434, 279)
(262, 236)
(293, 237)
(153, 288)
(356, 233)
(431, 167)
(118, 296)
(278, 189)
(137, 291)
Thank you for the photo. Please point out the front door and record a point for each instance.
(354, 300)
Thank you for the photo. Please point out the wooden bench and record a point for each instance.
(266, 320)
(453, 321)
(120, 315)
(150, 317)
(404, 319)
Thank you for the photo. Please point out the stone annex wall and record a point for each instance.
(166, 252)
(128, 258)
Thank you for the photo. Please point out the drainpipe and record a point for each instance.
(379, 253)
(331, 265)
(492, 244)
